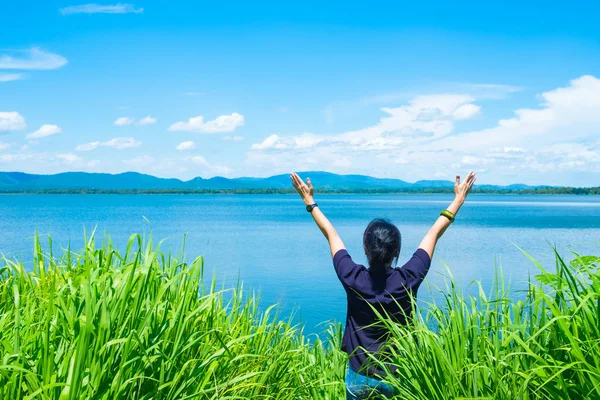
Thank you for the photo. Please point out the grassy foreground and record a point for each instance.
(546, 346)
(139, 325)
(99, 324)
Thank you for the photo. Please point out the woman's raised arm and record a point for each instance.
(306, 192)
(461, 190)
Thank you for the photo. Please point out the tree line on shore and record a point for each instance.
(437, 190)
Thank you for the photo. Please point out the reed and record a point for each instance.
(104, 324)
(545, 346)
(138, 324)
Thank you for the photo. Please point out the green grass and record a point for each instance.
(104, 324)
(546, 346)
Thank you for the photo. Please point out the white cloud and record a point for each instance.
(101, 9)
(122, 121)
(342, 162)
(233, 138)
(548, 161)
(88, 146)
(512, 150)
(221, 124)
(33, 59)
(119, 143)
(565, 114)
(272, 142)
(11, 77)
(424, 118)
(4, 146)
(199, 160)
(342, 109)
(482, 91)
(139, 161)
(147, 120)
(68, 158)
(472, 160)
(73, 161)
(429, 107)
(11, 121)
(496, 91)
(46, 163)
(186, 146)
(207, 167)
(546, 144)
(306, 141)
(44, 131)
(122, 143)
(16, 157)
(466, 111)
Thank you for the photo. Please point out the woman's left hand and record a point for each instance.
(462, 189)
(305, 190)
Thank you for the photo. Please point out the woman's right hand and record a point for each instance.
(461, 190)
(305, 190)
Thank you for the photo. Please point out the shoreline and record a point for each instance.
(433, 191)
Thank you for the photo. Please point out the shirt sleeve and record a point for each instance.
(345, 268)
(416, 268)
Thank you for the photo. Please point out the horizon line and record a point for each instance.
(282, 174)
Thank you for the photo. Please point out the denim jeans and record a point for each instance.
(362, 387)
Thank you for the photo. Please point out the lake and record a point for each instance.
(271, 242)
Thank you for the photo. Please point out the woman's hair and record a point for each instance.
(382, 243)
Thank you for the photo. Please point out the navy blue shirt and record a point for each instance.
(387, 292)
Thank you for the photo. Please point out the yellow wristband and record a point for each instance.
(448, 215)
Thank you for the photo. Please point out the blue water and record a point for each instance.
(273, 245)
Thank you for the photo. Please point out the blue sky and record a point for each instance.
(405, 90)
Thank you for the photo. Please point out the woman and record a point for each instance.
(381, 288)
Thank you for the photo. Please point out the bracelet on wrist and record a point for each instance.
(311, 207)
(448, 214)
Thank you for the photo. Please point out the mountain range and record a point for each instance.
(20, 181)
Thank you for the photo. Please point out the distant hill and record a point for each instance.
(19, 181)
(84, 180)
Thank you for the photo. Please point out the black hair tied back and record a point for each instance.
(382, 243)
